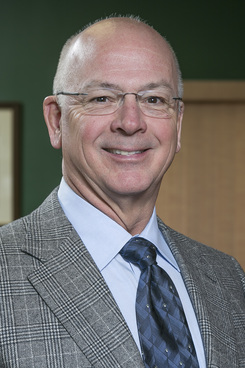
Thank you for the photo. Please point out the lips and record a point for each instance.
(124, 153)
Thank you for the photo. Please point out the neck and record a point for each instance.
(131, 212)
(132, 216)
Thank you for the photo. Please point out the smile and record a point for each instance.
(124, 153)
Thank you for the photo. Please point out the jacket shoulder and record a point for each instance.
(17, 231)
(187, 250)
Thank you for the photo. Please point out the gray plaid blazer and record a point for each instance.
(56, 310)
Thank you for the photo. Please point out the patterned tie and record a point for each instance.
(163, 331)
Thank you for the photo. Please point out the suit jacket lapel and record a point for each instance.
(207, 296)
(71, 285)
(74, 289)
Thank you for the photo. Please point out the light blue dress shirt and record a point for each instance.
(104, 238)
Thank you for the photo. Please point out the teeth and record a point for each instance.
(125, 153)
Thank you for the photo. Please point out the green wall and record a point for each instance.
(208, 37)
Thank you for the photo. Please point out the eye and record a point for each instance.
(155, 100)
(100, 99)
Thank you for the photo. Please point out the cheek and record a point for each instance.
(75, 125)
(167, 133)
(82, 133)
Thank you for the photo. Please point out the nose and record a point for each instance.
(129, 118)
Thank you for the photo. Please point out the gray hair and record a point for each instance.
(62, 72)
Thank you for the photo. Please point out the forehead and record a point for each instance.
(123, 53)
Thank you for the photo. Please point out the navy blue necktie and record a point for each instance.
(163, 331)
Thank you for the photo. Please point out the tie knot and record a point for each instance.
(139, 251)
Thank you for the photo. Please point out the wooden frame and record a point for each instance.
(9, 162)
(214, 90)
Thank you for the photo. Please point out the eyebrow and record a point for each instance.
(148, 86)
(100, 84)
(162, 84)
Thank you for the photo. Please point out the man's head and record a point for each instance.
(66, 65)
(120, 155)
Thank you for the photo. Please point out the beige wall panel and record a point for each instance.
(203, 193)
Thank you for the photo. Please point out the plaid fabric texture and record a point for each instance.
(57, 312)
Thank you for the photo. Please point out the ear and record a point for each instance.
(52, 116)
(179, 125)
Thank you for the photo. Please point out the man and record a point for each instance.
(67, 294)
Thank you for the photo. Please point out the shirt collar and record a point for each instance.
(92, 225)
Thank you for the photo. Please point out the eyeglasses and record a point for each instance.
(105, 101)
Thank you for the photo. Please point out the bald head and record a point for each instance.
(100, 38)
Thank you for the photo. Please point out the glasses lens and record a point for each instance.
(157, 104)
(100, 102)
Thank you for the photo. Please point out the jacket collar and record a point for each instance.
(70, 284)
(198, 264)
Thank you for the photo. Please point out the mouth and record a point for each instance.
(124, 153)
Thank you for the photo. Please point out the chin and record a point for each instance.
(132, 190)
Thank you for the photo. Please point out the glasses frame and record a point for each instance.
(122, 99)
